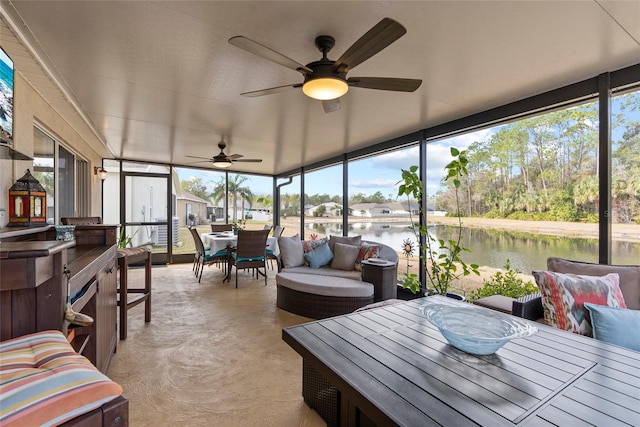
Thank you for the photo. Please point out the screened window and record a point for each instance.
(63, 174)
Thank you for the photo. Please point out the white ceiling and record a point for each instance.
(157, 80)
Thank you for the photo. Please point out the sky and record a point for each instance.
(380, 173)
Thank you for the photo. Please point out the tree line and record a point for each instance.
(546, 168)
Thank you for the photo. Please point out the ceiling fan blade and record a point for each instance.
(271, 90)
(198, 157)
(268, 53)
(200, 161)
(234, 156)
(247, 160)
(331, 105)
(385, 83)
(377, 38)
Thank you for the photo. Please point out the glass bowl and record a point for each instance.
(476, 330)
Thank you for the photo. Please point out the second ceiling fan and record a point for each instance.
(223, 160)
(326, 80)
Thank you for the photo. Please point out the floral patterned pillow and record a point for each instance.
(564, 295)
(309, 245)
(366, 251)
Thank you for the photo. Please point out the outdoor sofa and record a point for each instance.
(324, 278)
(608, 308)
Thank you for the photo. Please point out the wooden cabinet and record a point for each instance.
(34, 283)
(106, 314)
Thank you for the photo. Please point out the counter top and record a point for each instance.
(7, 232)
(28, 249)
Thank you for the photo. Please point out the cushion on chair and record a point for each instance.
(344, 256)
(45, 382)
(619, 326)
(564, 295)
(291, 252)
(245, 259)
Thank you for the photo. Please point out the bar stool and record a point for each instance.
(130, 297)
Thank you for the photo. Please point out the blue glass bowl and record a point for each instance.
(476, 330)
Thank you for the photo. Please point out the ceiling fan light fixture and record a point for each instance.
(325, 88)
(221, 161)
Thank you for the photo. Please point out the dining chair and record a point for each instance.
(196, 253)
(205, 257)
(249, 253)
(277, 232)
(221, 227)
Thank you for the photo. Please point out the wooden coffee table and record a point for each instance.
(390, 366)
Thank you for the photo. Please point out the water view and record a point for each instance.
(492, 248)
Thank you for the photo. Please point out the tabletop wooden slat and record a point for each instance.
(396, 367)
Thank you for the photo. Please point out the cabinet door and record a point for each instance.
(106, 313)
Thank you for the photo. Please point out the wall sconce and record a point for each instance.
(100, 172)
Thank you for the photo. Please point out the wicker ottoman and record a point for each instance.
(319, 297)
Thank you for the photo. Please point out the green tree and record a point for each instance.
(196, 187)
(320, 211)
(236, 192)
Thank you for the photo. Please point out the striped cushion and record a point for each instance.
(45, 382)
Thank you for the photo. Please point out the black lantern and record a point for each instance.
(27, 202)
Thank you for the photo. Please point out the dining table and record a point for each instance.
(390, 366)
(217, 241)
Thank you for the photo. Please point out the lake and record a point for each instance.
(492, 248)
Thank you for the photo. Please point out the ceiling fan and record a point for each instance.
(326, 80)
(223, 160)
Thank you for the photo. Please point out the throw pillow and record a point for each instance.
(291, 252)
(366, 251)
(629, 276)
(344, 257)
(564, 295)
(617, 326)
(350, 240)
(309, 245)
(320, 256)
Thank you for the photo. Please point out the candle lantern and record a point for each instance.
(27, 202)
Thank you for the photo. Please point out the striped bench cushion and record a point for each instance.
(45, 382)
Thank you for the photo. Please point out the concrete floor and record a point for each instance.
(212, 354)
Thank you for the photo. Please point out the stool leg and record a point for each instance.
(147, 288)
(123, 298)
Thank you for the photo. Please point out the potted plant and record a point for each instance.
(443, 257)
(238, 225)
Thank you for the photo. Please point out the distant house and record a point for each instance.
(361, 209)
(308, 208)
(191, 209)
(431, 210)
(259, 212)
(412, 207)
(389, 209)
(373, 210)
(215, 212)
(330, 209)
